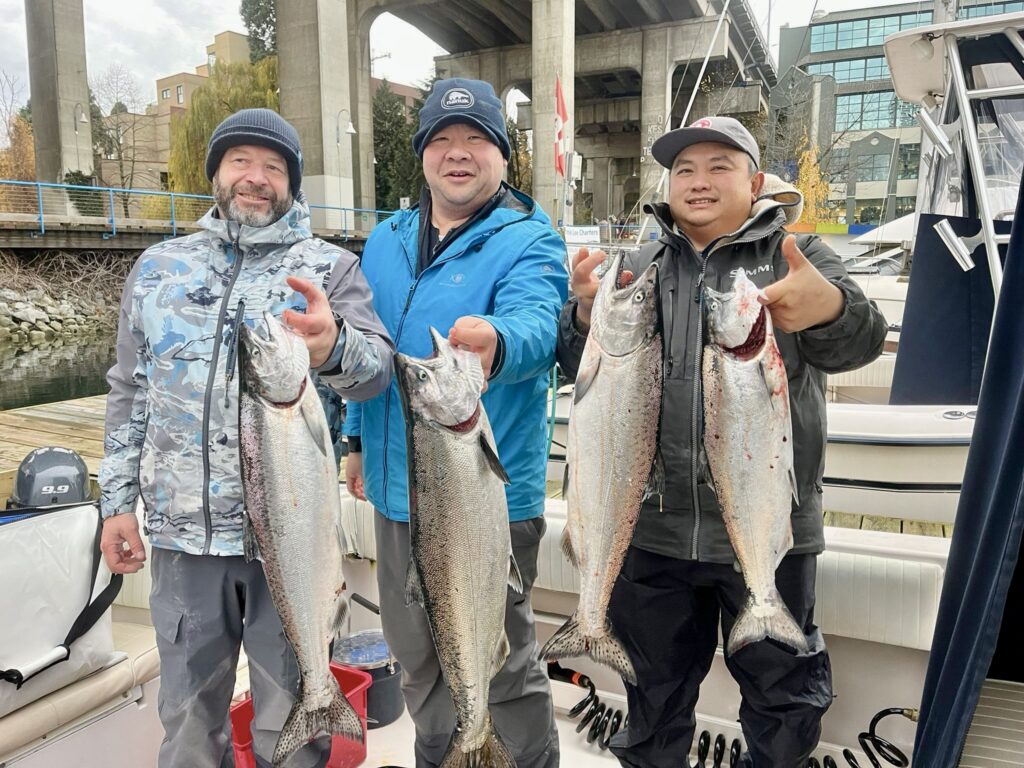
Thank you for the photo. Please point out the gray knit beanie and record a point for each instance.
(260, 127)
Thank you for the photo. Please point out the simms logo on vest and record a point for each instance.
(457, 98)
(754, 271)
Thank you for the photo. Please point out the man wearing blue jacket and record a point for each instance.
(479, 260)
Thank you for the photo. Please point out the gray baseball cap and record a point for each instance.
(721, 130)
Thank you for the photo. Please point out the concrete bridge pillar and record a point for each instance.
(602, 187)
(315, 75)
(655, 106)
(554, 51)
(59, 88)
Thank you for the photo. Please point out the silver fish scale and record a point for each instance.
(461, 547)
(611, 444)
(292, 500)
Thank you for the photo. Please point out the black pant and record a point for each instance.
(666, 612)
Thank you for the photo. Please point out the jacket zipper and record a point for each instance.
(698, 396)
(208, 398)
(387, 397)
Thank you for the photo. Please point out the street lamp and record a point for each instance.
(78, 117)
(351, 131)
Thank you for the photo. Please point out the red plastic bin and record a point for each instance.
(344, 753)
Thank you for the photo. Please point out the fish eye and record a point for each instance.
(714, 305)
(421, 375)
(638, 297)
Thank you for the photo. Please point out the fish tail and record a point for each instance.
(492, 754)
(568, 641)
(305, 724)
(770, 619)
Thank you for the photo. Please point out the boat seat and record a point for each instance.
(85, 699)
(872, 585)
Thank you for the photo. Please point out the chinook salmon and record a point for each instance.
(748, 437)
(461, 564)
(293, 508)
(611, 445)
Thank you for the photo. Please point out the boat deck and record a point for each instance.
(78, 424)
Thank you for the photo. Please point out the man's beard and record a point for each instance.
(250, 217)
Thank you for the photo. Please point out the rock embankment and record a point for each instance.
(33, 317)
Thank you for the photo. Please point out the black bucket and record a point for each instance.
(367, 651)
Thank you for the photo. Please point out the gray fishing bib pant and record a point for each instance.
(520, 700)
(666, 612)
(204, 608)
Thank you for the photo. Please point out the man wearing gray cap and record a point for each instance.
(678, 581)
(478, 260)
(172, 429)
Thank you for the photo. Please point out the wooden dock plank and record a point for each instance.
(74, 424)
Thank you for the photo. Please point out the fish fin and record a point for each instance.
(585, 377)
(304, 724)
(772, 619)
(784, 549)
(492, 754)
(656, 480)
(793, 486)
(569, 641)
(565, 480)
(567, 548)
(312, 414)
(341, 611)
(344, 540)
(413, 586)
(501, 653)
(491, 453)
(250, 544)
(515, 578)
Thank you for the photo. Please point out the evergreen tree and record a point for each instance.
(260, 19)
(229, 88)
(398, 171)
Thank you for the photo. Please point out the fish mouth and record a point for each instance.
(465, 426)
(755, 340)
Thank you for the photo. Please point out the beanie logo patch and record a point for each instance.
(457, 98)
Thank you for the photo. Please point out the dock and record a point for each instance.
(78, 424)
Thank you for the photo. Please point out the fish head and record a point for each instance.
(736, 319)
(273, 361)
(624, 319)
(443, 388)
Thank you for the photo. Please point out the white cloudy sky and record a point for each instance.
(154, 38)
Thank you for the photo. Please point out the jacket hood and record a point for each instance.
(514, 206)
(289, 229)
(776, 196)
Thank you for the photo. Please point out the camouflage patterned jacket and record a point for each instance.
(172, 412)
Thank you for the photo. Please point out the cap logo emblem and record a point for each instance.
(457, 98)
(702, 123)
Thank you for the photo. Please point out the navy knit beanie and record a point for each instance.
(260, 127)
(458, 100)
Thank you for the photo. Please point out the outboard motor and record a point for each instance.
(50, 476)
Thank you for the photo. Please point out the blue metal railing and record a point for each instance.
(45, 204)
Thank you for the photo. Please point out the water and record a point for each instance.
(62, 370)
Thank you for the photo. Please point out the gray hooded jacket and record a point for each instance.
(172, 411)
(686, 522)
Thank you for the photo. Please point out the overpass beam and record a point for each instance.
(554, 50)
(58, 87)
(315, 75)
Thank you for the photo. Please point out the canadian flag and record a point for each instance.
(561, 120)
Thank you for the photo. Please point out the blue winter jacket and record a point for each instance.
(508, 268)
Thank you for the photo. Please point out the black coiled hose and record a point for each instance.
(604, 722)
(600, 720)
